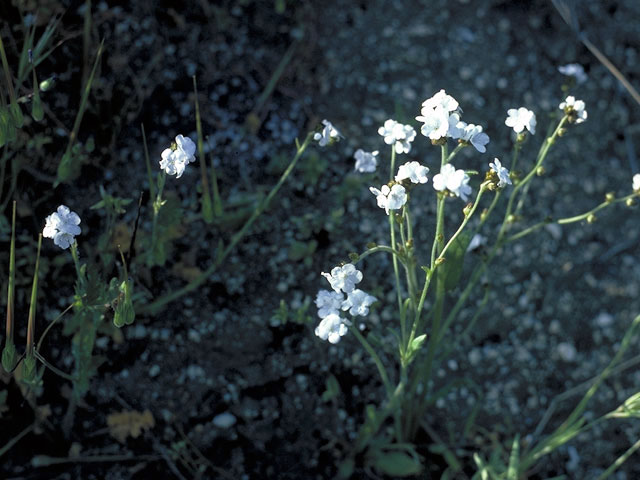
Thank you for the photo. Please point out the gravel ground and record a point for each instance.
(245, 387)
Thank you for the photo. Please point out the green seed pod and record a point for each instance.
(37, 111)
(9, 357)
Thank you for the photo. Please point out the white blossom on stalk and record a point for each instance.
(443, 100)
(456, 126)
(62, 226)
(332, 328)
(439, 115)
(476, 137)
(366, 161)
(328, 302)
(574, 70)
(636, 182)
(521, 118)
(176, 158)
(328, 135)
(435, 122)
(413, 171)
(343, 278)
(390, 198)
(502, 172)
(358, 303)
(455, 181)
(574, 108)
(398, 135)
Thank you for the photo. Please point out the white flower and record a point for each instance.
(574, 108)
(358, 303)
(456, 126)
(441, 99)
(456, 181)
(344, 278)
(366, 161)
(331, 328)
(175, 159)
(475, 136)
(390, 198)
(328, 302)
(476, 242)
(521, 118)
(636, 182)
(328, 135)
(398, 135)
(435, 122)
(62, 226)
(412, 171)
(503, 173)
(574, 70)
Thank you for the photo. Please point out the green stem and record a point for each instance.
(374, 356)
(9, 445)
(202, 278)
(396, 272)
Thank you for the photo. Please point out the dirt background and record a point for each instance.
(559, 302)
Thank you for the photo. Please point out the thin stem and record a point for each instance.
(55, 369)
(199, 280)
(152, 187)
(619, 461)
(396, 273)
(9, 445)
(374, 356)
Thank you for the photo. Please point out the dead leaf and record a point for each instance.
(129, 424)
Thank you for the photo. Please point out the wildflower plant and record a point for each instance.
(428, 282)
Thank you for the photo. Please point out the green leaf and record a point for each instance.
(37, 111)
(397, 464)
(454, 260)
(7, 130)
(332, 389)
(16, 115)
(514, 460)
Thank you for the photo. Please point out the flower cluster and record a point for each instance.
(62, 226)
(501, 172)
(521, 118)
(412, 171)
(342, 280)
(366, 162)
(440, 115)
(328, 135)
(574, 109)
(390, 198)
(398, 135)
(176, 158)
(452, 180)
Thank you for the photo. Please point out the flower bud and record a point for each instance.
(609, 197)
(484, 214)
(630, 202)
(371, 245)
(540, 171)
(467, 209)
(354, 257)
(440, 261)
(591, 218)
(562, 131)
